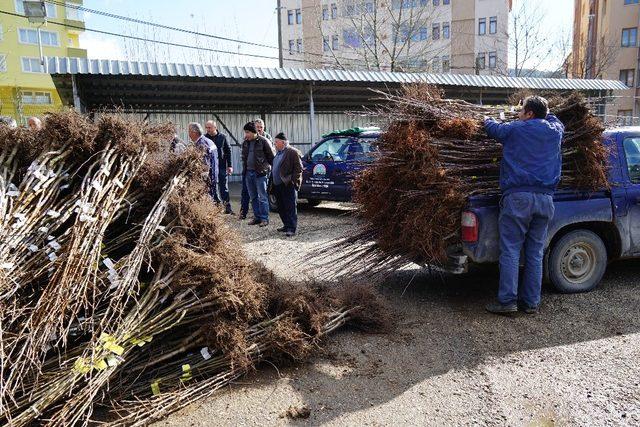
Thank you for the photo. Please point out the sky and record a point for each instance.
(247, 20)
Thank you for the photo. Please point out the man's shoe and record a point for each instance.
(527, 309)
(282, 229)
(242, 216)
(290, 233)
(497, 308)
(255, 221)
(228, 210)
(263, 223)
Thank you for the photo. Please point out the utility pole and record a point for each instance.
(278, 9)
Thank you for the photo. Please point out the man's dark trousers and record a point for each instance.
(244, 196)
(523, 222)
(223, 185)
(287, 199)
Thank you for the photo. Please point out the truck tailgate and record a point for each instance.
(570, 208)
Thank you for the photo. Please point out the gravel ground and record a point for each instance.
(447, 362)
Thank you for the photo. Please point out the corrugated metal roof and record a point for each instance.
(63, 65)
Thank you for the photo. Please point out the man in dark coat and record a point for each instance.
(257, 157)
(287, 178)
(225, 167)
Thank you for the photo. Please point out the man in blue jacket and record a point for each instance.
(529, 174)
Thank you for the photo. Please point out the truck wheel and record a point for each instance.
(273, 204)
(313, 202)
(577, 262)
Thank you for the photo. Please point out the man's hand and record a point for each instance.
(229, 170)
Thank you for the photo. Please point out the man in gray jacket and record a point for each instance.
(257, 158)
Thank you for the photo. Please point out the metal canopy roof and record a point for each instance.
(151, 85)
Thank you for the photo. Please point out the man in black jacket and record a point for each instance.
(257, 158)
(225, 167)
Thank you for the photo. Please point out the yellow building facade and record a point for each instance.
(25, 88)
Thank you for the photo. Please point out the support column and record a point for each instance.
(312, 116)
(77, 104)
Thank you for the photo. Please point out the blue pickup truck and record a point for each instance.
(587, 232)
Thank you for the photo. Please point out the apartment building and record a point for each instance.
(25, 88)
(606, 46)
(450, 36)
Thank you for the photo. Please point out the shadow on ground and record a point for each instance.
(441, 326)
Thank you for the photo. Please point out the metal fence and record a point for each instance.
(295, 125)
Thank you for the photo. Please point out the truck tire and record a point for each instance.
(313, 202)
(577, 262)
(273, 204)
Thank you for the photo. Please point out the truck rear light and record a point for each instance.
(469, 227)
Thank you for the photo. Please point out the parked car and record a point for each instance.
(588, 230)
(331, 164)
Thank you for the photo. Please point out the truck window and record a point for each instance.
(363, 150)
(334, 149)
(632, 154)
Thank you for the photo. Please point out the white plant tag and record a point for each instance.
(205, 353)
(6, 265)
(33, 248)
(53, 214)
(502, 116)
(54, 245)
(53, 256)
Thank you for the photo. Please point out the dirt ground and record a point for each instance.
(447, 362)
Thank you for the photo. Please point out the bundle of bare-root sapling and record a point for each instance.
(123, 294)
(434, 154)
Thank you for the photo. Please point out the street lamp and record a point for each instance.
(36, 13)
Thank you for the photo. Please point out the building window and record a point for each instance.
(1, 33)
(28, 36)
(19, 7)
(436, 2)
(51, 10)
(446, 64)
(350, 10)
(493, 25)
(334, 11)
(74, 14)
(325, 13)
(298, 16)
(435, 67)
(423, 33)
(299, 45)
(625, 117)
(445, 30)
(446, 2)
(292, 46)
(335, 42)
(368, 7)
(41, 98)
(627, 77)
(493, 56)
(629, 37)
(631, 1)
(325, 44)
(435, 31)
(3, 63)
(351, 38)
(482, 26)
(290, 17)
(481, 61)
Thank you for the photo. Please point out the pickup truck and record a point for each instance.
(588, 230)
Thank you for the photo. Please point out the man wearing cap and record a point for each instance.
(287, 178)
(257, 157)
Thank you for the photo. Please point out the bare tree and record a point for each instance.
(383, 35)
(596, 61)
(531, 44)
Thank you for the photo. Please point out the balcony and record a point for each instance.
(74, 52)
(74, 26)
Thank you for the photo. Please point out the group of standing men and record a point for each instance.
(262, 160)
